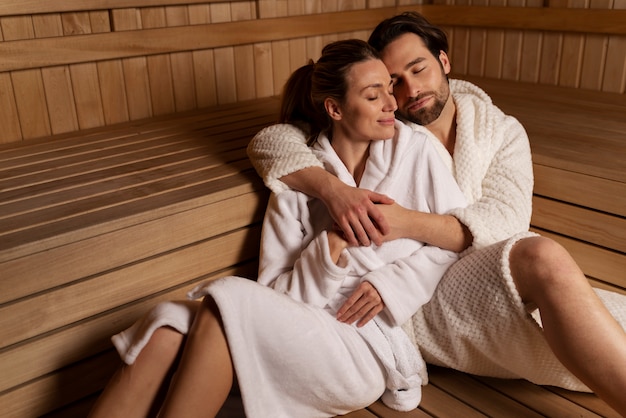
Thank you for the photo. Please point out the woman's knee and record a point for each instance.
(166, 342)
(207, 317)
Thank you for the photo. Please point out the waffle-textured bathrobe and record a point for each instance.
(476, 321)
(294, 359)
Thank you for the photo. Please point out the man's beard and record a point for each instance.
(427, 115)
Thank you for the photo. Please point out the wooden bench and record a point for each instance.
(115, 194)
(126, 216)
(98, 227)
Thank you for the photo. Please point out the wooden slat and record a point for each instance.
(381, 410)
(527, 18)
(56, 389)
(19, 7)
(595, 227)
(115, 217)
(75, 182)
(478, 395)
(542, 400)
(74, 260)
(9, 119)
(440, 403)
(596, 262)
(66, 305)
(587, 400)
(96, 47)
(37, 357)
(256, 109)
(593, 192)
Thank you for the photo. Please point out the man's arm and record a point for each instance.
(443, 231)
(504, 205)
(281, 157)
(354, 210)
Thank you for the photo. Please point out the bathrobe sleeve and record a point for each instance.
(407, 283)
(279, 150)
(504, 205)
(288, 264)
(492, 165)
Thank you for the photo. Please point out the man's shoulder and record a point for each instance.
(465, 89)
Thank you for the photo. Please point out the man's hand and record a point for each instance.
(353, 209)
(363, 305)
(357, 214)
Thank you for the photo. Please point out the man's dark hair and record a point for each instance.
(388, 30)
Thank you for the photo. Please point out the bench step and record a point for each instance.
(97, 227)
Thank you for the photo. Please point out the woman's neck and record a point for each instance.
(352, 153)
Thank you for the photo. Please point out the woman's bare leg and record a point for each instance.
(134, 389)
(205, 374)
(578, 327)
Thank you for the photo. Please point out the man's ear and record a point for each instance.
(445, 62)
(332, 108)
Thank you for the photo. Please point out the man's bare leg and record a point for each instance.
(580, 330)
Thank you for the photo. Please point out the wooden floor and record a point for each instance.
(458, 395)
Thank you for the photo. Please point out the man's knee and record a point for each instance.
(539, 263)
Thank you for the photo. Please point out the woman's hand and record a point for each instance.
(357, 214)
(363, 305)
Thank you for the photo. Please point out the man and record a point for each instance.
(479, 320)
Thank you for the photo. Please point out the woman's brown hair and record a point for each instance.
(310, 85)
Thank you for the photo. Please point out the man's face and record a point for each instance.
(420, 84)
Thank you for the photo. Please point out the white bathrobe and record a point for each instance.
(295, 359)
(476, 321)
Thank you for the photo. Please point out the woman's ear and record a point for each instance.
(332, 108)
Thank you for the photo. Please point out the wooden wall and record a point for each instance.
(565, 57)
(73, 65)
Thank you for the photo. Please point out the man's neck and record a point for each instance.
(444, 128)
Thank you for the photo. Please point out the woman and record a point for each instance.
(327, 340)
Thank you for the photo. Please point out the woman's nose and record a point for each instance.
(391, 104)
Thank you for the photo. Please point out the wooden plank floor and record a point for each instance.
(451, 394)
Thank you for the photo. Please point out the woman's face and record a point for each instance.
(368, 109)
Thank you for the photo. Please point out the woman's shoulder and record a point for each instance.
(407, 138)
(404, 147)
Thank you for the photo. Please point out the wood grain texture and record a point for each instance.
(16, 7)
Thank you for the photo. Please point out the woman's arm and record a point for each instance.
(293, 260)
